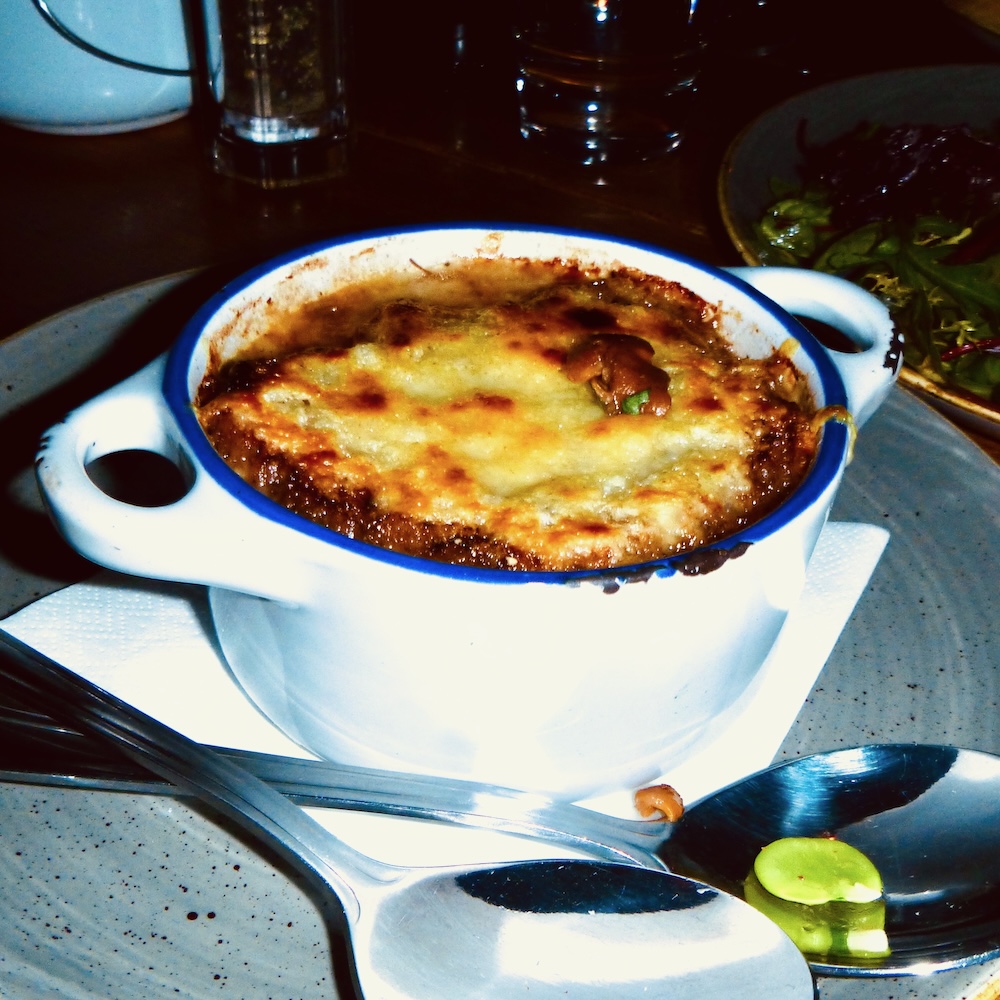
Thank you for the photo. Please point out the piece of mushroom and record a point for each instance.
(620, 370)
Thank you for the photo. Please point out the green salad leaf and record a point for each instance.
(933, 268)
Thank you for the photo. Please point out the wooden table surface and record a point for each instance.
(434, 139)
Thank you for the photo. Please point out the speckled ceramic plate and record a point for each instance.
(767, 148)
(112, 895)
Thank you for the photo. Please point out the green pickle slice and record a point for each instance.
(824, 894)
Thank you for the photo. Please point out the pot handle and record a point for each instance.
(205, 537)
(73, 38)
(869, 374)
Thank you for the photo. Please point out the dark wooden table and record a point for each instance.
(435, 139)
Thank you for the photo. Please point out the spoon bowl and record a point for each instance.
(552, 929)
(927, 816)
(594, 930)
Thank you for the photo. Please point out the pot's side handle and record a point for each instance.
(868, 375)
(204, 537)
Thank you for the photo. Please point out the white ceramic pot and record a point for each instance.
(90, 67)
(570, 683)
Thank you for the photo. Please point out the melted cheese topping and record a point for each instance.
(454, 431)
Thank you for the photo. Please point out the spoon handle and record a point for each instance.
(214, 779)
(66, 763)
(38, 750)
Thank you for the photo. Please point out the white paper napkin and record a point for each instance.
(152, 645)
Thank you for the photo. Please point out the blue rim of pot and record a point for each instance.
(830, 456)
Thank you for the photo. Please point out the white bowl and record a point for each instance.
(568, 683)
(53, 84)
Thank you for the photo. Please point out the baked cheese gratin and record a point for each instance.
(513, 414)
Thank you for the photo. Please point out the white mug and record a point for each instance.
(90, 67)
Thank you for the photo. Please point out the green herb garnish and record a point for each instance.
(633, 404)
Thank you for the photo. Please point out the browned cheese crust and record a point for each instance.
(520, 415)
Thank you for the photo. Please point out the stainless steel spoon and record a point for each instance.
(587, 929)
(37, 750)
(927, 816)
(938, 853)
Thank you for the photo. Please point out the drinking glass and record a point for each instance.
(271, 87)
(604, 81)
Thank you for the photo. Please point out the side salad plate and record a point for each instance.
(891, 180)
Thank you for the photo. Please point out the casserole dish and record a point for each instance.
(571, 683)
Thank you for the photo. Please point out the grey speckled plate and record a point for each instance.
(113, 895)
